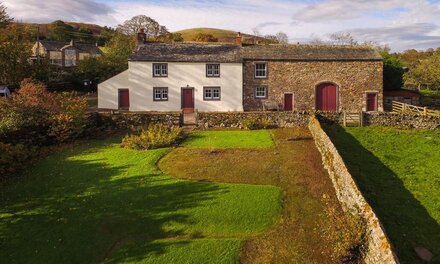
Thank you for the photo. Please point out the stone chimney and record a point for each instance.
(238, 39)
(141, 37)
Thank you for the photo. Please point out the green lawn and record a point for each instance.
(230, 139)
(399, 173)
(433, 93)
(100, 202)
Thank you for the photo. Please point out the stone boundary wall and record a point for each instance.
(235, 119)
(129, 121)
(379, 249)
(401, 120)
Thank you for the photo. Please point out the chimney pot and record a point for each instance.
(238, 39)
(141, 37)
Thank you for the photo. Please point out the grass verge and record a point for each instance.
(230, 139)
(398, 172)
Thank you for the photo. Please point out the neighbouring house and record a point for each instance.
(403, 96)
(226, 77)
(65, 54)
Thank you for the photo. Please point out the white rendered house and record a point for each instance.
(175, 77)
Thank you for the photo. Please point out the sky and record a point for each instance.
(400, 24)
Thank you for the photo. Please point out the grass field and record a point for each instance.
(313, 227)
(433, 93)
(101, 203)
(399, 173)
(230, 139)
(222, 35)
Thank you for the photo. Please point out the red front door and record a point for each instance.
(288, 102)
(372, 102)
(188, 100)
(124, 99)
(326, 97)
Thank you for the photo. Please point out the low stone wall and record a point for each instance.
(379, 249)
(131, 121)
(401, 120)
(235, 119)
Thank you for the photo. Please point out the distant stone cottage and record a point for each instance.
(226, 77)
(65, 54)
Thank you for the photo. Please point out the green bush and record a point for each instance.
(13, 158)
(155, 136)
(255, 123)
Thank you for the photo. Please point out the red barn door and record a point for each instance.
(124, 99)
(371, 102)
(288, 102)
(327, 97)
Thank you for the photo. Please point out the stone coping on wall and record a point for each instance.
(379, 248)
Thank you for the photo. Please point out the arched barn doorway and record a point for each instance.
(327, 97)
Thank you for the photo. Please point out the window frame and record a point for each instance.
(213, 75)
(161, 75)
(265, 68)
(266, 89)
(161, 94)
(212, 98)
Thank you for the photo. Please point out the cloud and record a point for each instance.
(50, 10)
(417, 35)
(401, 23)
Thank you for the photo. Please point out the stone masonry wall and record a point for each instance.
(131, 121)
(379, 249)
(353, 78)
(235, 119)
(401, 120)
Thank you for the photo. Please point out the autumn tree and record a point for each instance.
(342, 38)
(204, 37)
(427, 72)
(151, 27)
(5, 19)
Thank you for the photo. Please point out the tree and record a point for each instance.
(427, 71)
(204, 37)
(60, 31)
(341, 38)
(392, 71)
(4, 17)
(150, 26)
(282, 38)
(14, 54)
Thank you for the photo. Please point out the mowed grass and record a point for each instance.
(399, 173)
(101, 203)
(230, 139)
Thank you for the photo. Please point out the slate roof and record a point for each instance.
(58, 46)
(400, 93)
(191, 52)
(187, 52)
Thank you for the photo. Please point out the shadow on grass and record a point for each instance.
(83, 211)
(406, 221)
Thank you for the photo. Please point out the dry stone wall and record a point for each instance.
(379, 249)
(131, 121)
(235, 119)
(401, 120)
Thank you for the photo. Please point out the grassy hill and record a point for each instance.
(44, 28)
(227, 36)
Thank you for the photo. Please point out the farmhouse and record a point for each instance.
(66, 54)
(240, 77)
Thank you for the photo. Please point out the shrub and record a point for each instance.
(155, 136)
(13, 158)
(255, 123)
(34, 116)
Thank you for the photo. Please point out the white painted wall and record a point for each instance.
(140, 82)
(108, 90)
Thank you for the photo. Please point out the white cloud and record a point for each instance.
(401, 23)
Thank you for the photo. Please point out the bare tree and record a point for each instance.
(5, 19)
(152, 28)
(282, 38)
(342, 38)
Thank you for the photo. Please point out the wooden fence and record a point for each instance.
(398, 107)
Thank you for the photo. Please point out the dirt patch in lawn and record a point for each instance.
(312, 229)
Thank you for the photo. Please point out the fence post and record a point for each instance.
(425, 111)
(403, 107)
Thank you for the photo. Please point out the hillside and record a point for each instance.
(226, 36)
(96, 29)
